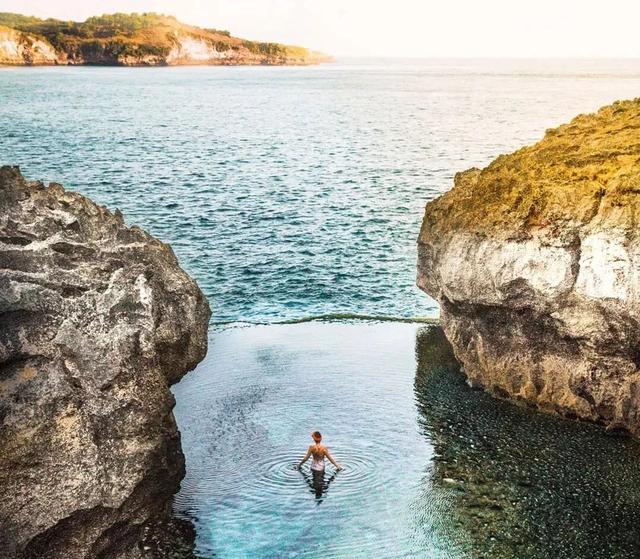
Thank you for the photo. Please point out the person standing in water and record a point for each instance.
(319, 452)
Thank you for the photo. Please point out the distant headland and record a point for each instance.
(146, 39)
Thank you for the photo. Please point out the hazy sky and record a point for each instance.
(446, 28)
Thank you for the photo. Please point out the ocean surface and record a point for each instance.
(297, 193)
(290, 192)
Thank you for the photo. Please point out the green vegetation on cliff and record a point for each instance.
(561, 179)
(146, 38)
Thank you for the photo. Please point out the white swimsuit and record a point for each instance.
(317, 465)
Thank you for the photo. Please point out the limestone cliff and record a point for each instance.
(98, 320)
(535, 261)
(18, 48)
(147, 39)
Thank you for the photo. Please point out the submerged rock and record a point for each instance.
(98, 320)
(535, 261)
(511, 483)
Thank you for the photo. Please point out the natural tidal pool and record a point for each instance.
(432, 467)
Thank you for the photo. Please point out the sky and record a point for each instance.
(397, 28)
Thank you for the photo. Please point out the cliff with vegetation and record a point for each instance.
(535, 261)
(147, 39)
(98, 320)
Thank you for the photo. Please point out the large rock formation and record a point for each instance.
(97, 321)
(535, 261)
(147, 39)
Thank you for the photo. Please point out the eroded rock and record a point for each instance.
(97, 321)
(535, 261)
(23, 48)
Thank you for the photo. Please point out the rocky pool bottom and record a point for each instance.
(432, 468)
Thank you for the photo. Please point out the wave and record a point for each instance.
(330, 317)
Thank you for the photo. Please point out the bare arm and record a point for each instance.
(306, 457)
(330, 458)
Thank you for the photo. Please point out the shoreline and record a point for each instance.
(340, 318)
(188, 64)
(147, 39)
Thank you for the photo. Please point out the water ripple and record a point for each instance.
(245, 418)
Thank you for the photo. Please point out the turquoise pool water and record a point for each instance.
(433, 468)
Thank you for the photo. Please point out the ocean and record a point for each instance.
(294, 196)
(290, 192)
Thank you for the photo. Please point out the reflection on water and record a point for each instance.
(432, 468)
(524, 484)
(318, 482)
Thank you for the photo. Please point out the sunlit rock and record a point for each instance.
(535, 261)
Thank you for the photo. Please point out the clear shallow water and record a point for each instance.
(432, 468)
(245, 428)
(290, 192)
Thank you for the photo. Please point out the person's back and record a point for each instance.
(318, 452)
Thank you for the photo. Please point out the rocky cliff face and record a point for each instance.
(147, 39)
(535, 261)
(98, 321)
(21, 48)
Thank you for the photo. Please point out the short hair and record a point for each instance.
(317, 436)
